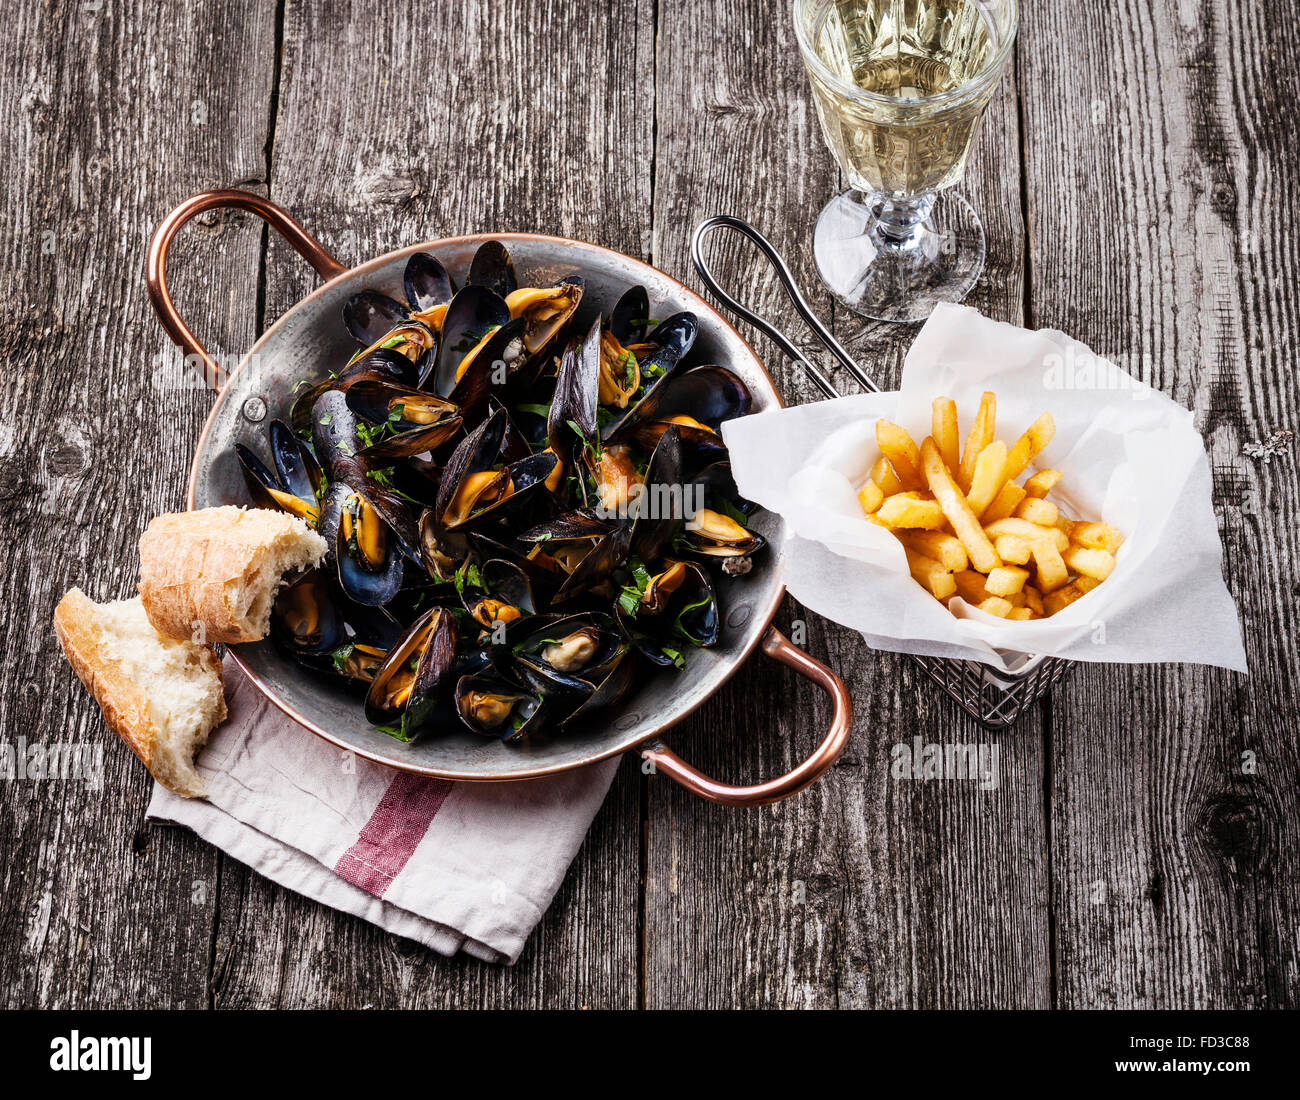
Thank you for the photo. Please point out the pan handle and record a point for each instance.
(778, 646)
(277, 217)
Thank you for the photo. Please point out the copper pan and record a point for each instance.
(310, 339)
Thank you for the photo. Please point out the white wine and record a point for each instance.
(898, 140)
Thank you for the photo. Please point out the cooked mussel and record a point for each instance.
(370, 316)
(368, 560)
(491, 705)
(405, 421)
(493, 268)
(476, 488)
(718, 536)
(498, 593)
(571, 653)
(661, 612)
(305, 618)
(414, 682)
(545, 311)
(428, 288)
(293, 484)
(475, 313)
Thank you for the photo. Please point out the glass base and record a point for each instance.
(896, 262)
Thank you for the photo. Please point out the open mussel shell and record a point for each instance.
(491, 705)
(419, 421)
(662, 505)
(593, 571)
(493, 363)
(493, 268)
(609, 693)
(379, 365)
(369, 316)
(414, 683)
(657, 360)
(442, 552)
(291, 487)
(570, 653)
(501, 594)
(305, 618)
(426, 283)
(545, 311)
(716, 536)
(698, 401)
(476, 490)
(473, 315)
(367, 557)
(630, 317)
(677, 610)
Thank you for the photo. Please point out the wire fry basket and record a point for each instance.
(994, 698)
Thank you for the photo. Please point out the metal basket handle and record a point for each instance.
(786, 279)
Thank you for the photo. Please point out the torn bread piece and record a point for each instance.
(212, 575)
(161, 696)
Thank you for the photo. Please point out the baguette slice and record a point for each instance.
(161, 696)
(212, 575)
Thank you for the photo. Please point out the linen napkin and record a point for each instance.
(455, 866)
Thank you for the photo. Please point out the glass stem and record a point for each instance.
(899, 223)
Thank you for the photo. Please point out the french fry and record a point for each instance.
(1062, 598)
(1033, 598)
(902, 452)
(988, 478)
(943, 548)
(1012, 549)
(1006, 502)
(1015, 599)
(1097, 564)
(1042, 512)
(970, 586)
(871, 496)
(930, 574)
(996, 605)
(1042, 483)
(906, 510)
(1052, 573)
(943, 426)
(1023, 529)
(1067, 525)
(1086, 584)
(964, 523)
(1024, 614)
(1037, 436)
(882, 473)
(1097, 536)
(981, 435)
(1006, 580)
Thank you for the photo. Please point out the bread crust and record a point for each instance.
(125, 705)
(191, 562)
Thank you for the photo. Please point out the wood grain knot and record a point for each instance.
(1232, 826)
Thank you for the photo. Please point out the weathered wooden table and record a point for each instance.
(1137, 178)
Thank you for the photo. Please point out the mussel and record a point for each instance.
(491, 705)
(413, 685)
(294, 483)
(664, 612)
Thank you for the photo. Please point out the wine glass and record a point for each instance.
(900, 87)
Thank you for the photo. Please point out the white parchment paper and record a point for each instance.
(1129, 455)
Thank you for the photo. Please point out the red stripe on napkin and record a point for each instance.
(395, 827)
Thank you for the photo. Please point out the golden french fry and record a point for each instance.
(1012, 549)
(943, 426)
(1042, 512)
(1097, 536)
(901, 450)
(1015, 599)
(1097, 564)
(1067, 525)
(1062, 598)
(970, 586)
(988, 478)
(1037, 436)
(871, 497)
(1023, 614)
(1033, 598)
(1023, 529)
(965, 524)
(996, 605)
(905, 510)
(943, 548)
(1042, 483)
(981, 435)
(930, 575)
(882, 473)
(1006, 502)
(1086, 584)
(1006, 580)
(1052, 573)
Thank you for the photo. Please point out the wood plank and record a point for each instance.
(1161, 177)
(863, 891)
(438, 121)
(108, 116)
